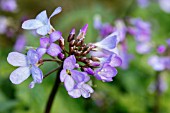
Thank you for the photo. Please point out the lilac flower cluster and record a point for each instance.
(106, 29)
(8, 5)
(141, 31)
(78, 62)
(161, 61)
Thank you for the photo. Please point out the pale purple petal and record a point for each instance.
(56, 11)
(161, 49)
(89, 71)
(3, 24)
(32, 84)
(44, 42)
(43, 30)
(41, 52)
(69, 83)
(115, 61)
(87, 88)
(37, 74)
(77, 76)
(97, 22)
(63, 75)
(19, 75)
(42, 16)
(17, 59)
(165, 5)
(84, 29)
(8, 5)
(75, 93)
(156, 63)
(54, 36)
(85, 93)
(32, 24)
(32, 56)
(69, 62)
(54, 49)
(109, 42)
(143, 48)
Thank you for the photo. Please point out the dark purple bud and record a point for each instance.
(89, 71)
(84, 29)
(71, 35)
(161, 49)
(94, 64)
(71, 44)
(61, 56)
(61, 43)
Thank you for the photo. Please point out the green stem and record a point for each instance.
(53, 92)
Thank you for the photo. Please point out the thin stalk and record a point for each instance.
(53, 92)
(50, 72)
(157, 94)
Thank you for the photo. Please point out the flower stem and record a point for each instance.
(157, 94)
(50, 72)
(53, 92)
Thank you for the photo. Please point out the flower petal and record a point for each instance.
(17, 59)
(44, 41)
(75, 93)
(109, 42)
(54, 36)
(87, 88)
(37, 74)
(43, 30)
(69, 83)
(115, 61)
(78, 76)
(41, 52)
(56, 11)
(19, 75)
(42, 17)
(32, 56)
(85, 93)
(54, 49)
(32, 24)
(63, 75)
(69, 62)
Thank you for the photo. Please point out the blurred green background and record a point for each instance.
(128, 93)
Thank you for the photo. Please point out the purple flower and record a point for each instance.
(8, 5)
(105, 73)
(165, 5)
(3, 24)
(157, 63)
(20, 43)
(27, 66)
(107, 46)
(47, 45)
(141, 30)
(74, 81)
(144, 48)
(143, 3)
(161, 49)
(41, 23)
(168, 41)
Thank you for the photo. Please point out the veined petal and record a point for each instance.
(42, 17)
(63, 75)
(37, 74)
(54, 36)
(19, 75)
(77, 76)
(69, 83)
(75, 93)
(32, 24)
(85, 93)
(43, 30)
(54, 49)
(44, 41)
(109, 42)
(87, 88)
(17, 59)
(56, 11)
(32, 56)
(41, 52)
(115, 61)
(69, 62)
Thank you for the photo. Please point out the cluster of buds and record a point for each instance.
(77, 63)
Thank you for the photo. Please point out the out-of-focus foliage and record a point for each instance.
(128, 93)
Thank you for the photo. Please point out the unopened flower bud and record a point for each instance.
(71, 35)
(94, 64)
(61, 43)
(89, 71)
(61, 56)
